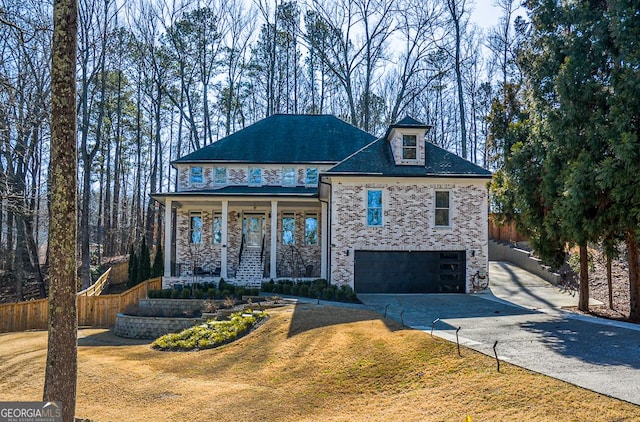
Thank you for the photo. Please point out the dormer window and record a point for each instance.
(311, 177)
(409, 147)
(220, 176)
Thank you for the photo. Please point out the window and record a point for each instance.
(374, 208)
(288, 227)
(255, 176)
(195, 227)
(409, 147)
(288, 176)
(196, 175)
(442, 208)
(220, 176)
(311, 229)
(311, 178)
(217, 228)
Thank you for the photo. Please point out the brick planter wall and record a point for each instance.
(160, 307)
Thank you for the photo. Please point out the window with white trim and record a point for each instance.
(255, 176)
(217, 228)
(289, 176)
(443, 208)
(374, 208)
(311, 176)
(196, 175)
(311, 229)
(220, 176)
(409, 147)
(195, 227)
(288, 228)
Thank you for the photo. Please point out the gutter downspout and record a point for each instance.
(328, 228)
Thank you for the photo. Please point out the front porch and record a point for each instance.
(244, 241)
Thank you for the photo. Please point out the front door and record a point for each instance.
(253, 231)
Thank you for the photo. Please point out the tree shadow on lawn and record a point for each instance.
(106, 338)
(591, 343)
(307, 317)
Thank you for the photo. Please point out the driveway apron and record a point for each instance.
(534, 333)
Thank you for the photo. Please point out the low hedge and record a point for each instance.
(316, 289)
(222, 291)
(210, 334)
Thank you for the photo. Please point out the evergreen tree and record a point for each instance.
(158, 263)
(133, 267)
(144, 263)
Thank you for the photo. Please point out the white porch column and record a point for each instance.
(167, 238)
(274, 238)
(225, 247)
(324, 239)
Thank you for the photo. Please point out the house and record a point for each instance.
(310, 196)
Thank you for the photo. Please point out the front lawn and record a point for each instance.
(305, 363)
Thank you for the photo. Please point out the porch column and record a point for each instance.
(324, 239)
(274, 238)
(225, 247)
(167, 238)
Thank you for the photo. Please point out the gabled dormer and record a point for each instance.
(407, 139)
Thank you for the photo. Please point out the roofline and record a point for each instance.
(234, 194)
(220, 161)
(432, 175)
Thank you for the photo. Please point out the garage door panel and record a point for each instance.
(409, 272)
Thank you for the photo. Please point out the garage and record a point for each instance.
(409, 272)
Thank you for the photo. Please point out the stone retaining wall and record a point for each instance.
(129, 326)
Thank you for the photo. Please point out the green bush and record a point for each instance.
(211, 334)
(328, 293)
(320, 283)
(240, 291)
(254, 291)
(211, 293)
(198, 294)
(313, 292)
(339, 295)
(175, 294)
(295, 289)
(268, 287)
(279, 288)
(304, 290)
(225, 294)
(186, 294)
(286, 289)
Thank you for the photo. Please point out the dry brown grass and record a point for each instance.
(305, 363)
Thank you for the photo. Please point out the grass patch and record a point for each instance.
(210, 334)
(305, 363)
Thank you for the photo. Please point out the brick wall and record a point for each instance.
(408, 221)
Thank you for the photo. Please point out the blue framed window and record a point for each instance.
(311, 229)
(255, 176)
(289, 176)
(217, 228)
(288, 229)
(311, 176)
(374, 208)
(196, 175)
(220, 176)
(195, 227)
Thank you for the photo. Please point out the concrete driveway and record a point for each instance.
(523, 313)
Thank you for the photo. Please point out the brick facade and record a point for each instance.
(408, 221)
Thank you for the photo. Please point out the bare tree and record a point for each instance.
(62, 353)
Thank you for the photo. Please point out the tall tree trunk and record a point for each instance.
(583, 296)
(62, 352)
(609, 281)
(633, 257)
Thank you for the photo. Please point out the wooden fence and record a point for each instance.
(96, 288)
(94, 311)
(505, 232)
(119, 273)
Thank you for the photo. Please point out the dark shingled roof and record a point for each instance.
(285, 138)
(410, 122)
(377, 159)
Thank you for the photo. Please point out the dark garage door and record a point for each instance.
(409, 272)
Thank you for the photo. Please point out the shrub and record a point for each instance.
(175, 293)
(279, 288)
(254, 291)
(328, 293)
(286, 289)
(225, 294)
(313, 292)
(211, 293)
(295, 289)
(240, 291)
(320, 283)
(211, 334)
(198, 294)
(304, 290)
(186, 294)
(339, 293)
(268, 287)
